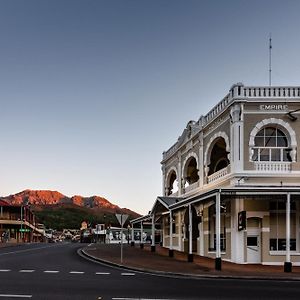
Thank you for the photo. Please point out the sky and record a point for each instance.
(92, 92)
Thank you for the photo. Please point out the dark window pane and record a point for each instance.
(286, 155)
(275, 154)
(252, 241)
(270, 141)
(264, 155)
(259, 141)
(261, 133)
(280, 133)
(255, 155)
(282, 141)
(281, 244)
(269, 131)
(273, 244)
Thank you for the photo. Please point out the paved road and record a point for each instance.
(55, 271)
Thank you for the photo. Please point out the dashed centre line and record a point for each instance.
(57, 271)
(15, 296)
(51, 271)
(26, 271)
(76, 272)
(128, 274)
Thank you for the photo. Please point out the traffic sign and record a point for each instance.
(121, 218)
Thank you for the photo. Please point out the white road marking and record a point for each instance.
(5, 270)
(15, 296)
(102, 273)
(128, 274)
(76, 272)
(50, 271)
(26, 271)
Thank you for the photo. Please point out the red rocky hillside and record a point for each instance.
(46, 198)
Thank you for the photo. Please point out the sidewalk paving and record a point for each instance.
(159, 262)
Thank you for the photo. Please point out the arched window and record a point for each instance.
(172, 183)
(271, 144)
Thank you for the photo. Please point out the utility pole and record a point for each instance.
(270, 60)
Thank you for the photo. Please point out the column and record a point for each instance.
(153, 234)
(190, 255)
(141, 238)
(236, 139)
(201, 161)
(171, 251)
(218, 262)
(132, 235)
(164, 181)
(179, 175)
(288, 264)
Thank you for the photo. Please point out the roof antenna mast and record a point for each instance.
(270, 60)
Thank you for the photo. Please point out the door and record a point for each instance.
(253, 248)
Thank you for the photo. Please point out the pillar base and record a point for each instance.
(218, 264)
(287, 267)
(190, 257)
(152, 248)
(171, 253)
(132, 243)
(142, 246)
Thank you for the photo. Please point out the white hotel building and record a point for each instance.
(231, 182)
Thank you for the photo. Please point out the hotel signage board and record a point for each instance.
(273, 107)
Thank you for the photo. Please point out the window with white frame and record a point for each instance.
(271, 144)
(278, 225)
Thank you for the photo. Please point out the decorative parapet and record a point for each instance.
(282, 167)
(273, 92)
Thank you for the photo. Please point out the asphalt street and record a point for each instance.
(56, 271)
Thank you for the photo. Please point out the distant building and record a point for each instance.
(17, 224)
(231, 182)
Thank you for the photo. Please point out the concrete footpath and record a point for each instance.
(159, 262)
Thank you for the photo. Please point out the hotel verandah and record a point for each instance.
(231, 182)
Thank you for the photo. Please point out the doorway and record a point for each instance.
(253, 241)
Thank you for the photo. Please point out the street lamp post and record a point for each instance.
(128, 230)
(21, 223)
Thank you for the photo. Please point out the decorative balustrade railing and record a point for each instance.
(191, 187)
(273, 166)
(219, 174)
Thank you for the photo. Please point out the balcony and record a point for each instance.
(283, 167)
(191, 187)
(218, 175)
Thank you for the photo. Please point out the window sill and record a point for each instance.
(283, 252)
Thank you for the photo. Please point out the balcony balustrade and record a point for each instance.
(191, 187)
(218, 175)
(267, 166)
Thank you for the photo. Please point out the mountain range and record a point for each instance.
(52, 207)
